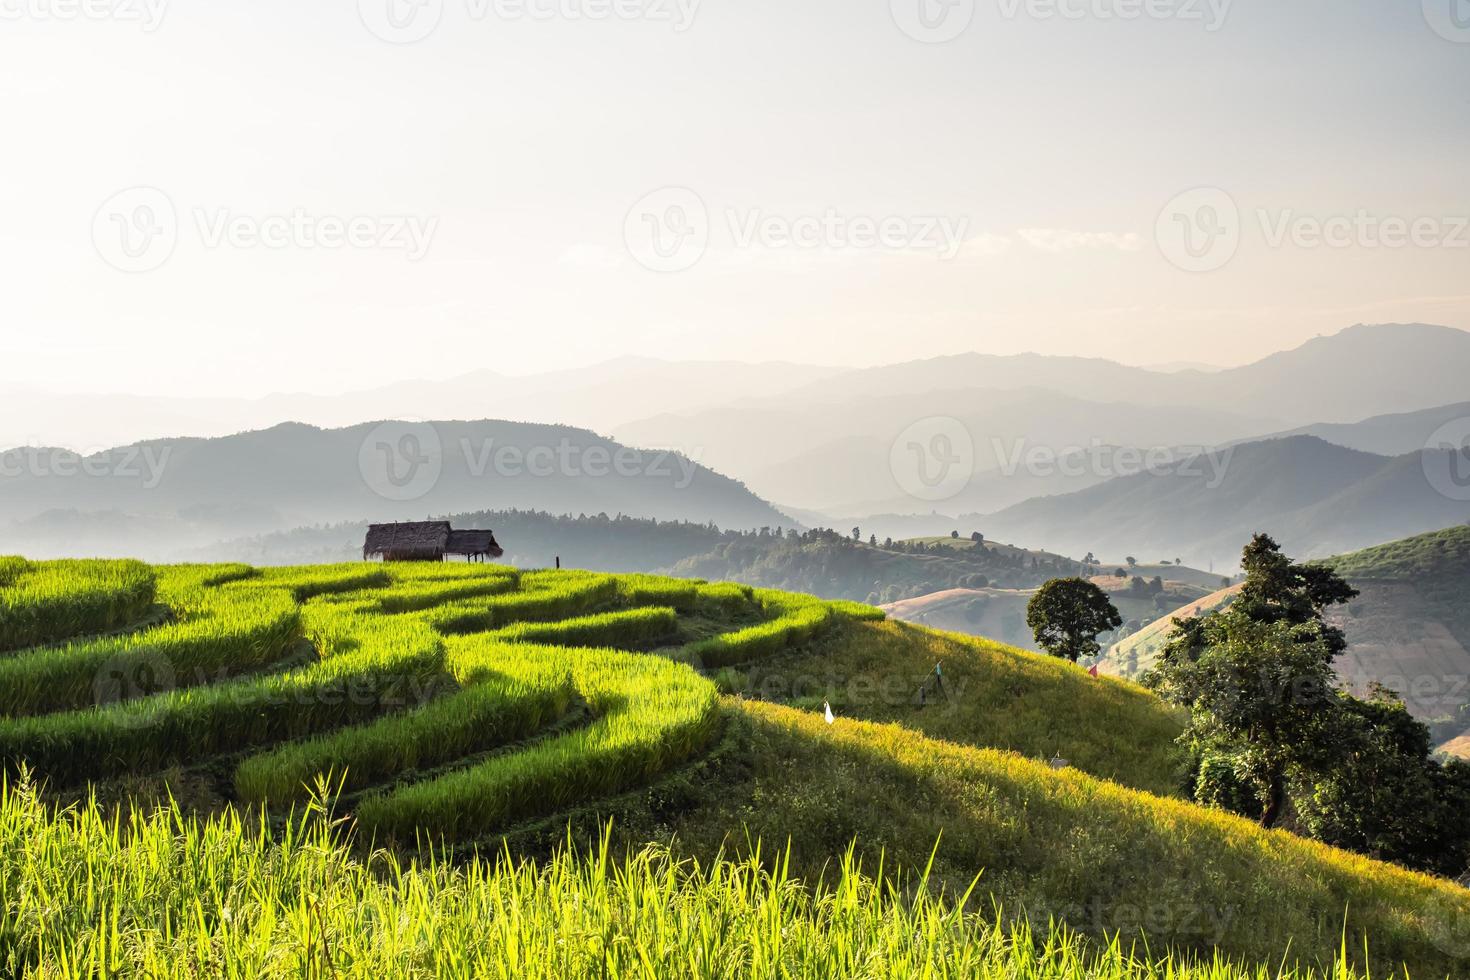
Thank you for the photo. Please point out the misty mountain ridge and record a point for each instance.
(188, 492)
(1388, 435)
(1361, 371)
(596, 397)
(1316, 498)
(849, 421)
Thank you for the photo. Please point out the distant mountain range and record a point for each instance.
(1053, 448)
(837, 456)
(1317, 499)
(598, 398)
(826, 445)
(1387, 435)
(154, 498)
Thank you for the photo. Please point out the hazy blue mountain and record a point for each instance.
(1387, 435)
(1364, 370)
(157, 496)
(825, 445)
(835, 457)
(1317, 499)
(597, 397)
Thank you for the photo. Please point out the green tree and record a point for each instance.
(1388, 797)
(1258, 677)
(1068, 614)
(1269, 728)
(1278, 589)
(1260, 695)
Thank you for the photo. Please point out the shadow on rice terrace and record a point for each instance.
(433, 701)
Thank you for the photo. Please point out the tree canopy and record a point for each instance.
(1271, 733)
(1068, 614)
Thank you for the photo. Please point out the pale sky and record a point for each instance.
(1020, 173)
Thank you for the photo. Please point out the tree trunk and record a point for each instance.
(1275, 800)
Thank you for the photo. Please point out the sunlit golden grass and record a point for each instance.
(168, 896)
(1062, 844)
(993, 695)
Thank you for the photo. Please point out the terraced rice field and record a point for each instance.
(441, 701)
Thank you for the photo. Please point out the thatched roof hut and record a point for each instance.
(474, 545)
(408, 541)
(428, 541)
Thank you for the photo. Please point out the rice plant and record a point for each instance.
(215, 633)
(10, 568)
(167, 896)
(367, 666)
(797, 619)
(629, 628)
(427, 594)
(45, 602)
(543, 600)
(658, 590)
(515, 703)
(651, 713)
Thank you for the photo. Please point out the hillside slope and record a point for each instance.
(1000, 614)
(994, 696)
(1044, 844)
(1410, 627)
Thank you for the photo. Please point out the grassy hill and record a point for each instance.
(835, 565)
(1134, 654)
(483, 708)
(963, 544)
(1412, 625)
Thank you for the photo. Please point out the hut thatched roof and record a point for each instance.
(410, 539)
(473, 543)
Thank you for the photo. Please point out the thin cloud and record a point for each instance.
(1067, 240)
